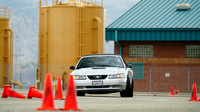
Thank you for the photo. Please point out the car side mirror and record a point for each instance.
(129, 66)
(72, 67)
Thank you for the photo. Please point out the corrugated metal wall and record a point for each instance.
(154, 35)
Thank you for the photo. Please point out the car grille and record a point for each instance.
(97, 86)
(97, 77)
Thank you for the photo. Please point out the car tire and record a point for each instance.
(80, 94)
(132, 88)
(128, 92)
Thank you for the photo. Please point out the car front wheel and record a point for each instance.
(128, 92)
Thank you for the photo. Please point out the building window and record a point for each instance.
(140, 51)
(192, 51)
(138, 70)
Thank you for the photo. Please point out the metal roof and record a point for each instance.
(160, 14)
(158, 20)
(153, 35)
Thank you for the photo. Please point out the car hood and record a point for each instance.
(98, 71)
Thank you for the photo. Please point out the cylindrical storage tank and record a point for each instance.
(6, 47)
(67, 31)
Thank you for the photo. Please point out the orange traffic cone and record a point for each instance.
(70, 101)
(58, 94)
(172, 91)
(33, 93)
(194, 93)
(8, 92)
(47, 99)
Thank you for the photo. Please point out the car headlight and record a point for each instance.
(79, 77)
(115, 76)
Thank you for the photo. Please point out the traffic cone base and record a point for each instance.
(47, 99)
(8, 92)
(171, 94)
(47, 108)
(76, 109)
(33, 93)
(192, 100)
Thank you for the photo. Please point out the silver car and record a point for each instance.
(103, 73)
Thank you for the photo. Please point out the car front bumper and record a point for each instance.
(108, 86)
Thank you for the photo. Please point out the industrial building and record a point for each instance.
(161, 39)
(6, 47)
(68, 29)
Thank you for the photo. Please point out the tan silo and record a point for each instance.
(6, 47)
(67, 31)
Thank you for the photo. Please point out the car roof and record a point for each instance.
(101, 55)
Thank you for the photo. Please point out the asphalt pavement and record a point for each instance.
(141, 102)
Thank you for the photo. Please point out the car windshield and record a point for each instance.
(100, 61)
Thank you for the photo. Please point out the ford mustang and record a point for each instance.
(103, 73)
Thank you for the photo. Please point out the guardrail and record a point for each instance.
(54, 2)
(5, 12)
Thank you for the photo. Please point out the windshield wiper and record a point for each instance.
(83, 67)
(103, 65)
